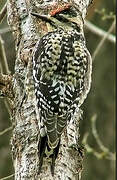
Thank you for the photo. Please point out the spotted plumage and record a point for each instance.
(62, 75)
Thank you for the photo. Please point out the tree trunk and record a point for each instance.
(26, 31)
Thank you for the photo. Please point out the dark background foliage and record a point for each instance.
(100, 101)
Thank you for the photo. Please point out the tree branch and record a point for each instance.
(6, 89)
(6, 130)
(3, 12)
(96, 30)
(103, 40)
(6, 86)
(4, 30)
(105, 152)
(109, 155)
(5, 80)
(8, 177)
(3, 60)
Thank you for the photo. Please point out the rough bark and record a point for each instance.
(27, 30)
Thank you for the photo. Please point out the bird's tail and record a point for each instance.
(45, 151)
(54, 128)
(51, 130)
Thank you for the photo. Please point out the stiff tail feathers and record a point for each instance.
(45, 151)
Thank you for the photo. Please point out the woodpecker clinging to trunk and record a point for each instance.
(62, 69)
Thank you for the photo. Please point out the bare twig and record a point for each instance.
(5, 30)
(8, 177)
(6, 86)
(5, 79)
(6, 90)
(4, 69)
(5, 131)
(105, 152)
(103, 40)
(89, 149)
(105, 15)
(104, 149)
(100, 32)
(3, 60)
(95, 134)
(3, 12)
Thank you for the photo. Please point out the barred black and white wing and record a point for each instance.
(62, 75)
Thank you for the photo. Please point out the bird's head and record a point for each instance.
(66, 17)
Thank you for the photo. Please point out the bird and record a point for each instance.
(62, 67)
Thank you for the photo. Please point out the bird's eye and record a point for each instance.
(70, 12)
(65, 11)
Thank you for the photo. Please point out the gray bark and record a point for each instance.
(26, 31)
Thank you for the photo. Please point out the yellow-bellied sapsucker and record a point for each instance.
(62, 77)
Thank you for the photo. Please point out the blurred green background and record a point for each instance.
(100, 101)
